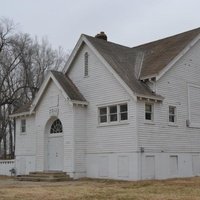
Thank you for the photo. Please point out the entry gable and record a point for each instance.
(66, 86)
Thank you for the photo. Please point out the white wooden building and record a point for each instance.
(117, 112)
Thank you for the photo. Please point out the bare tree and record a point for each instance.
(23, 65)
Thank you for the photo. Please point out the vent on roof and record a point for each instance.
(101, 35)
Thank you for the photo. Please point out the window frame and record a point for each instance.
(113, 114)
(108, 114)
(123, 112)
(55, 126)
(147, 112)
(23, 126)
(86, 64)
(102, 115)
(174, 115)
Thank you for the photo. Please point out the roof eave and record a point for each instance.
(148, 77)
(85, 103)
(147, 97)
(21, 114)
(73, 54)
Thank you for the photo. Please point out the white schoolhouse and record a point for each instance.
(117, 112)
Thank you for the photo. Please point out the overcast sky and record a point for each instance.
(127, 22)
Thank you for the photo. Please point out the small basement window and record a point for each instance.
(86, 64)
(148, 112)
(23, 126)
(172, 114)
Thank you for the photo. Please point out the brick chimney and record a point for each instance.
(101, 35)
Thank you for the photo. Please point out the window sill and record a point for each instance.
(149, 122)
(173, 124)
(113, 124)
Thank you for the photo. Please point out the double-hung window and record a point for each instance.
(113, 113)
(149, 112)
(23, 126)
(172, 114)
(123, 112)
(103, 115)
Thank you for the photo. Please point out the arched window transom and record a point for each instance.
(56, 127)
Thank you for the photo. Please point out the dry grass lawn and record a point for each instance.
(175, 189)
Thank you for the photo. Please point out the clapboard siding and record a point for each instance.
(99, 88)
(65, 115)
(80, 140)
(25, 142)
(25, 146)
(173, 86)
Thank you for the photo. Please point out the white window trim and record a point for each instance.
(86, 74)
(175, 116)
(103, 115)
(108, 123)
(146, 121)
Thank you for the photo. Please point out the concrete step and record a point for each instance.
(48, 174)
(44, 176)
(41, 179)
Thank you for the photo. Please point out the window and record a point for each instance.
(113, 113)
(172, 114)
(149, 112)
(123, 112)
(86, 64)
(103, 115)
(56, 127)
(23, 126)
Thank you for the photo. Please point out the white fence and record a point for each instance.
(6, 166)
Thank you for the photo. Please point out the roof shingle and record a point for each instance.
(68, 86)
(156, 56)
(122, 60)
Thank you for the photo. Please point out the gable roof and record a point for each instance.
(64, 83)
(122, 60)
(68, 86)
(147, 60)
(155, 55)
(158, 54)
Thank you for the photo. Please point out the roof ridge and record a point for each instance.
(106, 41)
(168, 37)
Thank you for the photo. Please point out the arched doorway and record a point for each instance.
(55, 146)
